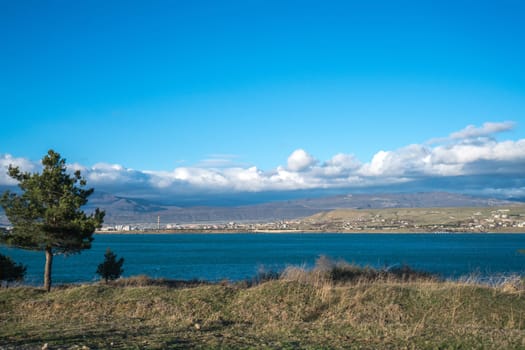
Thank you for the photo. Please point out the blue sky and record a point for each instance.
(186, 95)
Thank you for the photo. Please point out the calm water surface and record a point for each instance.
(238, 256)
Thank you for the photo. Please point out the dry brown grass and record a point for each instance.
(302, 309)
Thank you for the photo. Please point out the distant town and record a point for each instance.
(510, 219)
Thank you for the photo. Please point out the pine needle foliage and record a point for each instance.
(46, 213)
(111, 268)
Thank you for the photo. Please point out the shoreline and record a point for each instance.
(175, 232)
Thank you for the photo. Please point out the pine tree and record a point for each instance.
(111, 268)
(11, 271)
(46, 215)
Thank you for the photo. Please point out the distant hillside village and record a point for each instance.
(229, 226)
(353, 220)
(421, 220)
(454, 219)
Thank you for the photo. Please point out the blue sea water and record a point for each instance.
(234, 257)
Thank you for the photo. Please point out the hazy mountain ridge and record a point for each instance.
(122, 210)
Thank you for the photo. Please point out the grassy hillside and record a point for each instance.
(305, 310)
(502, 219)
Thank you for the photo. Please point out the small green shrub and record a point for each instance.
(348, 273)
(11, 271)
(111, 268)
(264, 275)
(342, 272)
(407, 274)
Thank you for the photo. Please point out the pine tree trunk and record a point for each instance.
(47, 271)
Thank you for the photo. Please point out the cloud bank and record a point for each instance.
(469, 160)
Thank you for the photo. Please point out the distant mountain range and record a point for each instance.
(121, 210)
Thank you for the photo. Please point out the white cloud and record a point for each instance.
(219, 161)
(300, 160)
(461, 155)
(504, 161)
(343, 161)
(471, 131)
(112, 173)
(249, 180)
(378, 164)
(339, 165)
(197, 177)
(407, 160)
(22, 163)
(474, 134)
